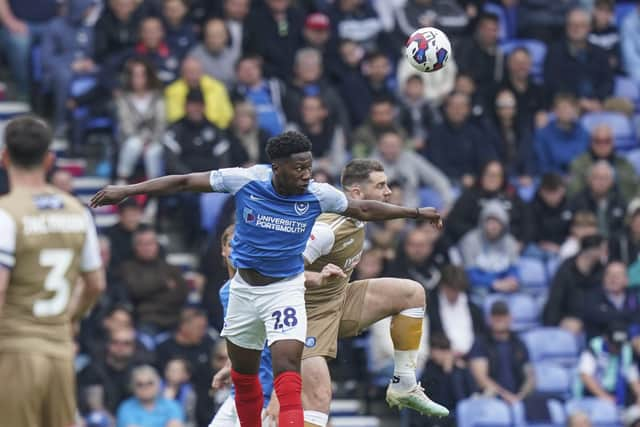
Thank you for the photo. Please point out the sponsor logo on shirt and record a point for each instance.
(275, 223)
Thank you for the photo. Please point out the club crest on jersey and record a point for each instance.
(301, 208)
(310, 342)
(248, 215)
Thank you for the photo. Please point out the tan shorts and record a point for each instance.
(337, 318)
(37, 390)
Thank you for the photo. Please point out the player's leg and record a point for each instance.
(316, 391)
(403, 300)
(59, 405)
(284, 315)
(245, 335)
(23, 389)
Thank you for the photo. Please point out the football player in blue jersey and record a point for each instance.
(276, 207)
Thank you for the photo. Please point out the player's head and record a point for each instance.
(26, 141)
(364, 179)
(291, 161)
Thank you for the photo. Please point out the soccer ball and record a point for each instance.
(428, 49)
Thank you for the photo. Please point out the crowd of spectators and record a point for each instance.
(501, 140)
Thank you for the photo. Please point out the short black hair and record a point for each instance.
(551, 182)
(358, 171)
(383, 99)
(440, 341)
(454, 277)
(376, 54)
(488, 16)
(144, 228)
(522, 49)
(27, 139)
(284, 145)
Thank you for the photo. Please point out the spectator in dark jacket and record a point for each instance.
(578, 67)
(575, 279)
(457, 146)
(274, 31)
(244, 130)
(117, 29)
(542, 19)
(417, 115)
(67, 49)
(448, 16)
(482, 58)
(612, 303)
(452, 314)
(358, 21)
(155, 287)
(602, 148)
(192, 343)
(550, 215)
(153, 45)
(513, 138)
(605, 33)
(563, 139)
(500, 362)
(197, 145)
(179, 28)
(121, 234)
(601, 198)
(530, 97)
(625, 246)
(381, 120)
(491, 185)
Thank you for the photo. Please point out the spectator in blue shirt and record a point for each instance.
(147, 408)
(563, 139)
(67, 50)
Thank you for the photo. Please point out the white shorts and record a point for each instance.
(272, 312)
(227, 416)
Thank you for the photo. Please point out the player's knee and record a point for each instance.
(285, 363)
(318, 397)
(414, 295)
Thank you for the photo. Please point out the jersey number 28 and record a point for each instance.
(59, 260)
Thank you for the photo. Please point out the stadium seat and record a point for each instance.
(633, 157)
(211, 205)
(524, 309)
(503, 27)
(430, 197)
(551, 345)
(622, 10)
(483, 412)
(537, 50)
(623, 132)
(601, 412)
(626, 87)
(556, 412)
(532, 273)
(552, 378)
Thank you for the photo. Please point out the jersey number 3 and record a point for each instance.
(59, 260)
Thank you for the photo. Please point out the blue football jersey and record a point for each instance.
(266, 370)
(271, 229)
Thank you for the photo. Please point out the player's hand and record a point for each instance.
(221, 378)
(331, 270)
(271, 413)
(109, 195)
(432, 216)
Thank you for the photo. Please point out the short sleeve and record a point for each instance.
(7, 240)
(478, 350)
(331, 199)
(231, 180)
(320, 242)
(587, 364)
(91, 259)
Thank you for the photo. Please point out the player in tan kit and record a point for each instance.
(47, 240)
(339, 309)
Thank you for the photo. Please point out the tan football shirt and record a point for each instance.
(335, 239)
(47, 238)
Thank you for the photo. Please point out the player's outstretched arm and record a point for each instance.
(114, 194)
(371, 210)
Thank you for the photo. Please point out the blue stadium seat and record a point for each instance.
(601, 412)
(211, 205)
(556, 412)
(623, 132)
(483, 412)
(622, 10)
(552, 378)
(524, 309)
(430, 197)
(537, 50)
(551, 345)
(532, 273)
(626, 87)
(633, 157)
(503, 27)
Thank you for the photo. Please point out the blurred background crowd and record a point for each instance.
(527, 141)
